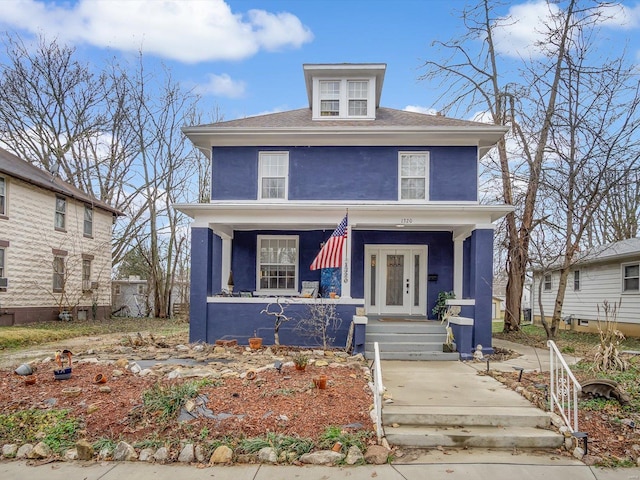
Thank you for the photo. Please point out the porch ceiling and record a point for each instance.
(225, 217)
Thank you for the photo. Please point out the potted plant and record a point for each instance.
(300, 361)
(255, 342)
(230, 283)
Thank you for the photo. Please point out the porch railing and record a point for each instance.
(378, 391)
(565, 389)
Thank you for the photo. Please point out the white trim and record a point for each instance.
(225, 262)
(347, 274)
(343, 97)
(360, 320)
(458, 267)
(461, 301)
(266, 299)
(460, 320)
(283, 292)
(622, 278)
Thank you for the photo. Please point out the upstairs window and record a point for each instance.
(329, 98)
(61, 212)
(547, 282)
(2, 270)
(631, 278)
(3, 196)
(576, 280)
(88, 221)
(358, 95)
(277, 263)
(414, 175)
(274, 173)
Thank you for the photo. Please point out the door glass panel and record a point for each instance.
(373, 279)
(416, 280)
(395, 275)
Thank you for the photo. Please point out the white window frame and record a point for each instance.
(87, 224)
(278, 291)
(343, 98)
(357, 98)
(3, 260)
(61, 214)
(403, 155)
(625, 278)
(576, 280)
(141, 290)
(263, 158)
(547, 282)
(3, 197)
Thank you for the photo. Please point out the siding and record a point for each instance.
(598, 283)
(30, 232)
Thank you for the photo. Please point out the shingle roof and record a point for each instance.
(14, 166)
(385, 117)
(623, 248)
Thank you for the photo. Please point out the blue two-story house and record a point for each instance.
(282, 182)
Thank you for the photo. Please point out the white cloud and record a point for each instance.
(223, 86)
(419, 109)
(620, 16)
(519, 33)
(187, 31)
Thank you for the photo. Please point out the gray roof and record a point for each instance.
(385, 117)
(624, 248)
(15, 167)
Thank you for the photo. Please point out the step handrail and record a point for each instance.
(565, 388)
(378, 390)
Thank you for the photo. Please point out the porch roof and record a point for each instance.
(459, 218)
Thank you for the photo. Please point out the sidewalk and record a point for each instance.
(522, 468)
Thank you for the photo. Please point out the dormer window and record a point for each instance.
(329, 98)
(358, 98)
(345, 98)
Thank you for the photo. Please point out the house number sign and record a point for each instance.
(406, 221)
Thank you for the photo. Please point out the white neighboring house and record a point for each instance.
(55, 247)
(609, 272)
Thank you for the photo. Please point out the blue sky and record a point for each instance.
(246, 56)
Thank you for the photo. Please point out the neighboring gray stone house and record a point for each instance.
(55, 247)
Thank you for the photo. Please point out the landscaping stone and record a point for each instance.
(161, 455)
(199, 452)
(104, 453)
(578, 452)
(9, 450)
(146, 455)
(267, 455)
(71, 455)
(104, 389)
(187, 454)
(24, 450)
(322, 457)
(222, 454)
(377, 455)
(41, 450)
(354, 455)
(84, 449)
(124, 453)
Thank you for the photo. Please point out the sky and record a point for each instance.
(246, 56)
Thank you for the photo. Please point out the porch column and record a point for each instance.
(481, 263)
(226, 261)
(346, 266)
(458, 261)
(202, 240)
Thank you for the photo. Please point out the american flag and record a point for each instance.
(330, 255)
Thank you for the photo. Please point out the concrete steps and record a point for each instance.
(423, 426)
(407, 340)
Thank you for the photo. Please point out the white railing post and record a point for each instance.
(564, 388)
(378, 391)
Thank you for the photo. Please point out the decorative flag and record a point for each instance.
(330, 255)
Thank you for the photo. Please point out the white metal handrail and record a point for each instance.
(378, 391)
(564, 388)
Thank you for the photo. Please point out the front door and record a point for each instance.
(395, 281)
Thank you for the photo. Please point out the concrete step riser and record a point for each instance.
(403, 328)
(416, 355)
(474, 441)
(406, 347)
(406, 337)
(450, 420)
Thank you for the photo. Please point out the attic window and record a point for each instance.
(358, 98)
(329, 99)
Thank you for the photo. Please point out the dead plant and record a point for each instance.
(608, 355)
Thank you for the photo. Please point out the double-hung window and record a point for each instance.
(58, 274)
(358, 95)
(274, 175)
(329, 98)
(88, 221)
(3, 275)
(414, 175)
(277, 263)
(3, 196)
(631, 278)
(547, 282)
(61, 212)
(576, 280)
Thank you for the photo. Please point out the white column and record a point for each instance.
(226, 261)
(458, 266)
(346, 266)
